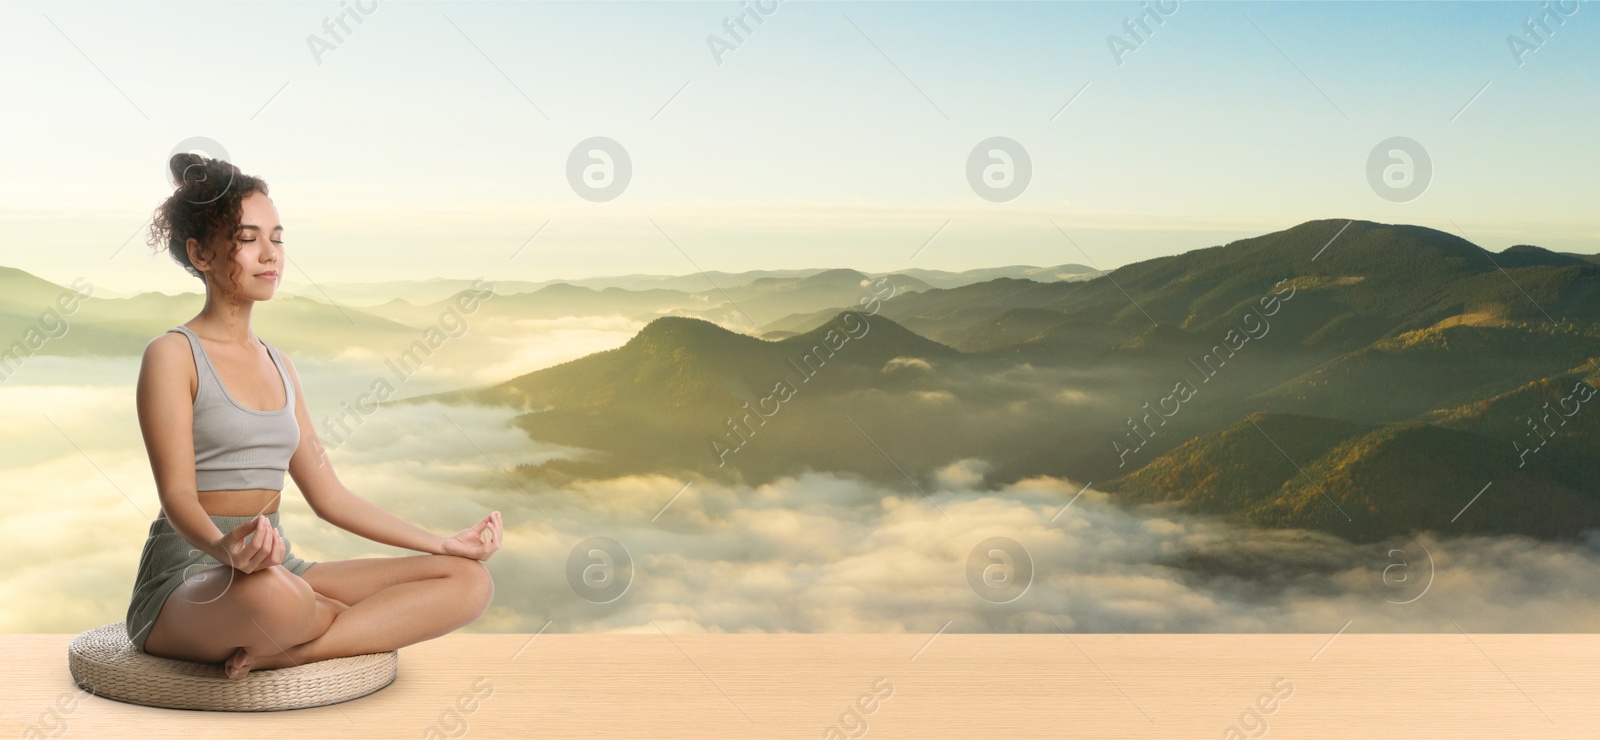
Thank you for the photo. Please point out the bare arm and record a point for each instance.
(313, 472)
(165, 402)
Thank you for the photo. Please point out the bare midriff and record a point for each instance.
(246, 502)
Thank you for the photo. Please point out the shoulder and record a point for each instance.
(171, 347)
(168, 359)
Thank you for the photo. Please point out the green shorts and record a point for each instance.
(168, 559)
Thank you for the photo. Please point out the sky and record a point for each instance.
(433, 139)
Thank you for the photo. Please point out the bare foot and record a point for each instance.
(239, 664)
(242, 662)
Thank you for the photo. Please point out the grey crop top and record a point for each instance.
(237, 447)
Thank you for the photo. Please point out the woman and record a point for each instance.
(223, 418)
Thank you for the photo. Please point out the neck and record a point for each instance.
(226, 319)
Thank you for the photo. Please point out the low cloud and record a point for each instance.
(816, 553)
(824, 553)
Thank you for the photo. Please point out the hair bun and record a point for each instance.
(186, 167)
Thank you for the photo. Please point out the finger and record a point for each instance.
(269, 542)
(234, 543)
(259, 541)
(243, 561)
(260, 544)
(264, 558)
(239, 551)
(248, 556)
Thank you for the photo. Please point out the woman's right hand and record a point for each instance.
(265, 549)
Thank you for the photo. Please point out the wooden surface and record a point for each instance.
(950, 685)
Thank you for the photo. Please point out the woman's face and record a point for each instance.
(258, 264)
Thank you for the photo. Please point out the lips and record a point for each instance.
(267, 275)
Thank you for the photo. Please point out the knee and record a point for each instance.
(476, 583)
(278, 601)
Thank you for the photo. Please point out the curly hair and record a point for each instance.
(206, 206)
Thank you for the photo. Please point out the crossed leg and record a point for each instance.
(275, 619)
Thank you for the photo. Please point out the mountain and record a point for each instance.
(430, 291)
(1369, 392)
(1240, 468)
(124, 326)
(824, 293)
(1426, 369)
(683, 389)
(1009, 328)
(21, 292)
(1537, 447)
(941, 279)
(1368, 281)
(678, 362)
(762, 299)
(437, 289)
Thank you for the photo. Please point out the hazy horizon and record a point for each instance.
(191, 285)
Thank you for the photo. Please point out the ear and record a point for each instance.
(193, 247)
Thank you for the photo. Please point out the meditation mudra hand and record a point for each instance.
(263, 550)
(478, 541)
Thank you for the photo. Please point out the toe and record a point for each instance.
(238, 665)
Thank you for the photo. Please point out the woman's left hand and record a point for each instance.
(477, 542)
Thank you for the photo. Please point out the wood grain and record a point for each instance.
(949, 685)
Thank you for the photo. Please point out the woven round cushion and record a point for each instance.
(105, 663)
